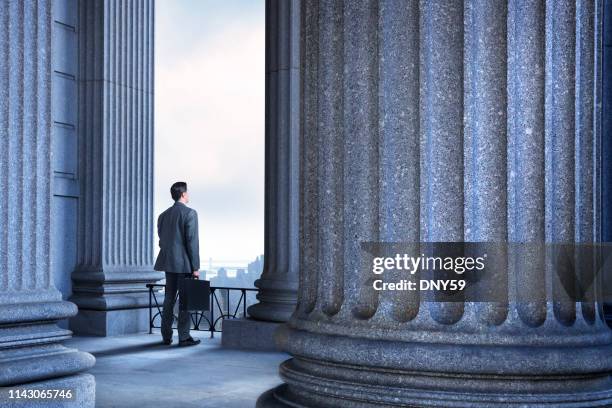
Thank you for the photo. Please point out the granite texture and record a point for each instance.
(445, 122)
(279, 280)
(485, 131)
(249, 334)
(604, 120)
(111, 322)
(115, 127)
(31, 347)
(64, 144)
(398, 124)
(526, 125)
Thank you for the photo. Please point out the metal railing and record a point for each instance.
(211, 322)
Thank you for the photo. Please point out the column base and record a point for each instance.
(249, 334)
(82, 385)
(277, 299)
(284, 396)
(271, 312)
(110, 322)
(113, 301)
(344, 371)
(32, 356)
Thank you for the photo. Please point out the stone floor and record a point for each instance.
(137, 370)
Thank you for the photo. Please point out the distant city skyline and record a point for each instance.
(209, 119)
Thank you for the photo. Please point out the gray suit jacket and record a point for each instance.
(177, 228)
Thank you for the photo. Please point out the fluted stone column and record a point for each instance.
(115, 127)
(441, 121)
(31, 349)
(279, 280)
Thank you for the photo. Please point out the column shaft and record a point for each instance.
(115, 128)
(279, 279)
(502, 128)
(30, 305)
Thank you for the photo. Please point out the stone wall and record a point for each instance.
(64, 145)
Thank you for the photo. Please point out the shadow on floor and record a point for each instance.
(139, 370)
(132, 349)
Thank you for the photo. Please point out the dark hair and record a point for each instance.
(177, 190)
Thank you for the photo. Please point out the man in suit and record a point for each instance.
(179, 257)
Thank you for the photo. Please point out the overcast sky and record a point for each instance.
(209, 119)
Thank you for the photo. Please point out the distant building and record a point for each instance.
(243, 278)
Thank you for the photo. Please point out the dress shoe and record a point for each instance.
(189, 342)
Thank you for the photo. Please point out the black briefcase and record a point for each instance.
(195, 294)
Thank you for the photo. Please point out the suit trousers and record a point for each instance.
(184, 320)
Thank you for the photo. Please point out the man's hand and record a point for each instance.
(196, 274)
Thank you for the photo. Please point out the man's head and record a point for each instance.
(179, 192)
